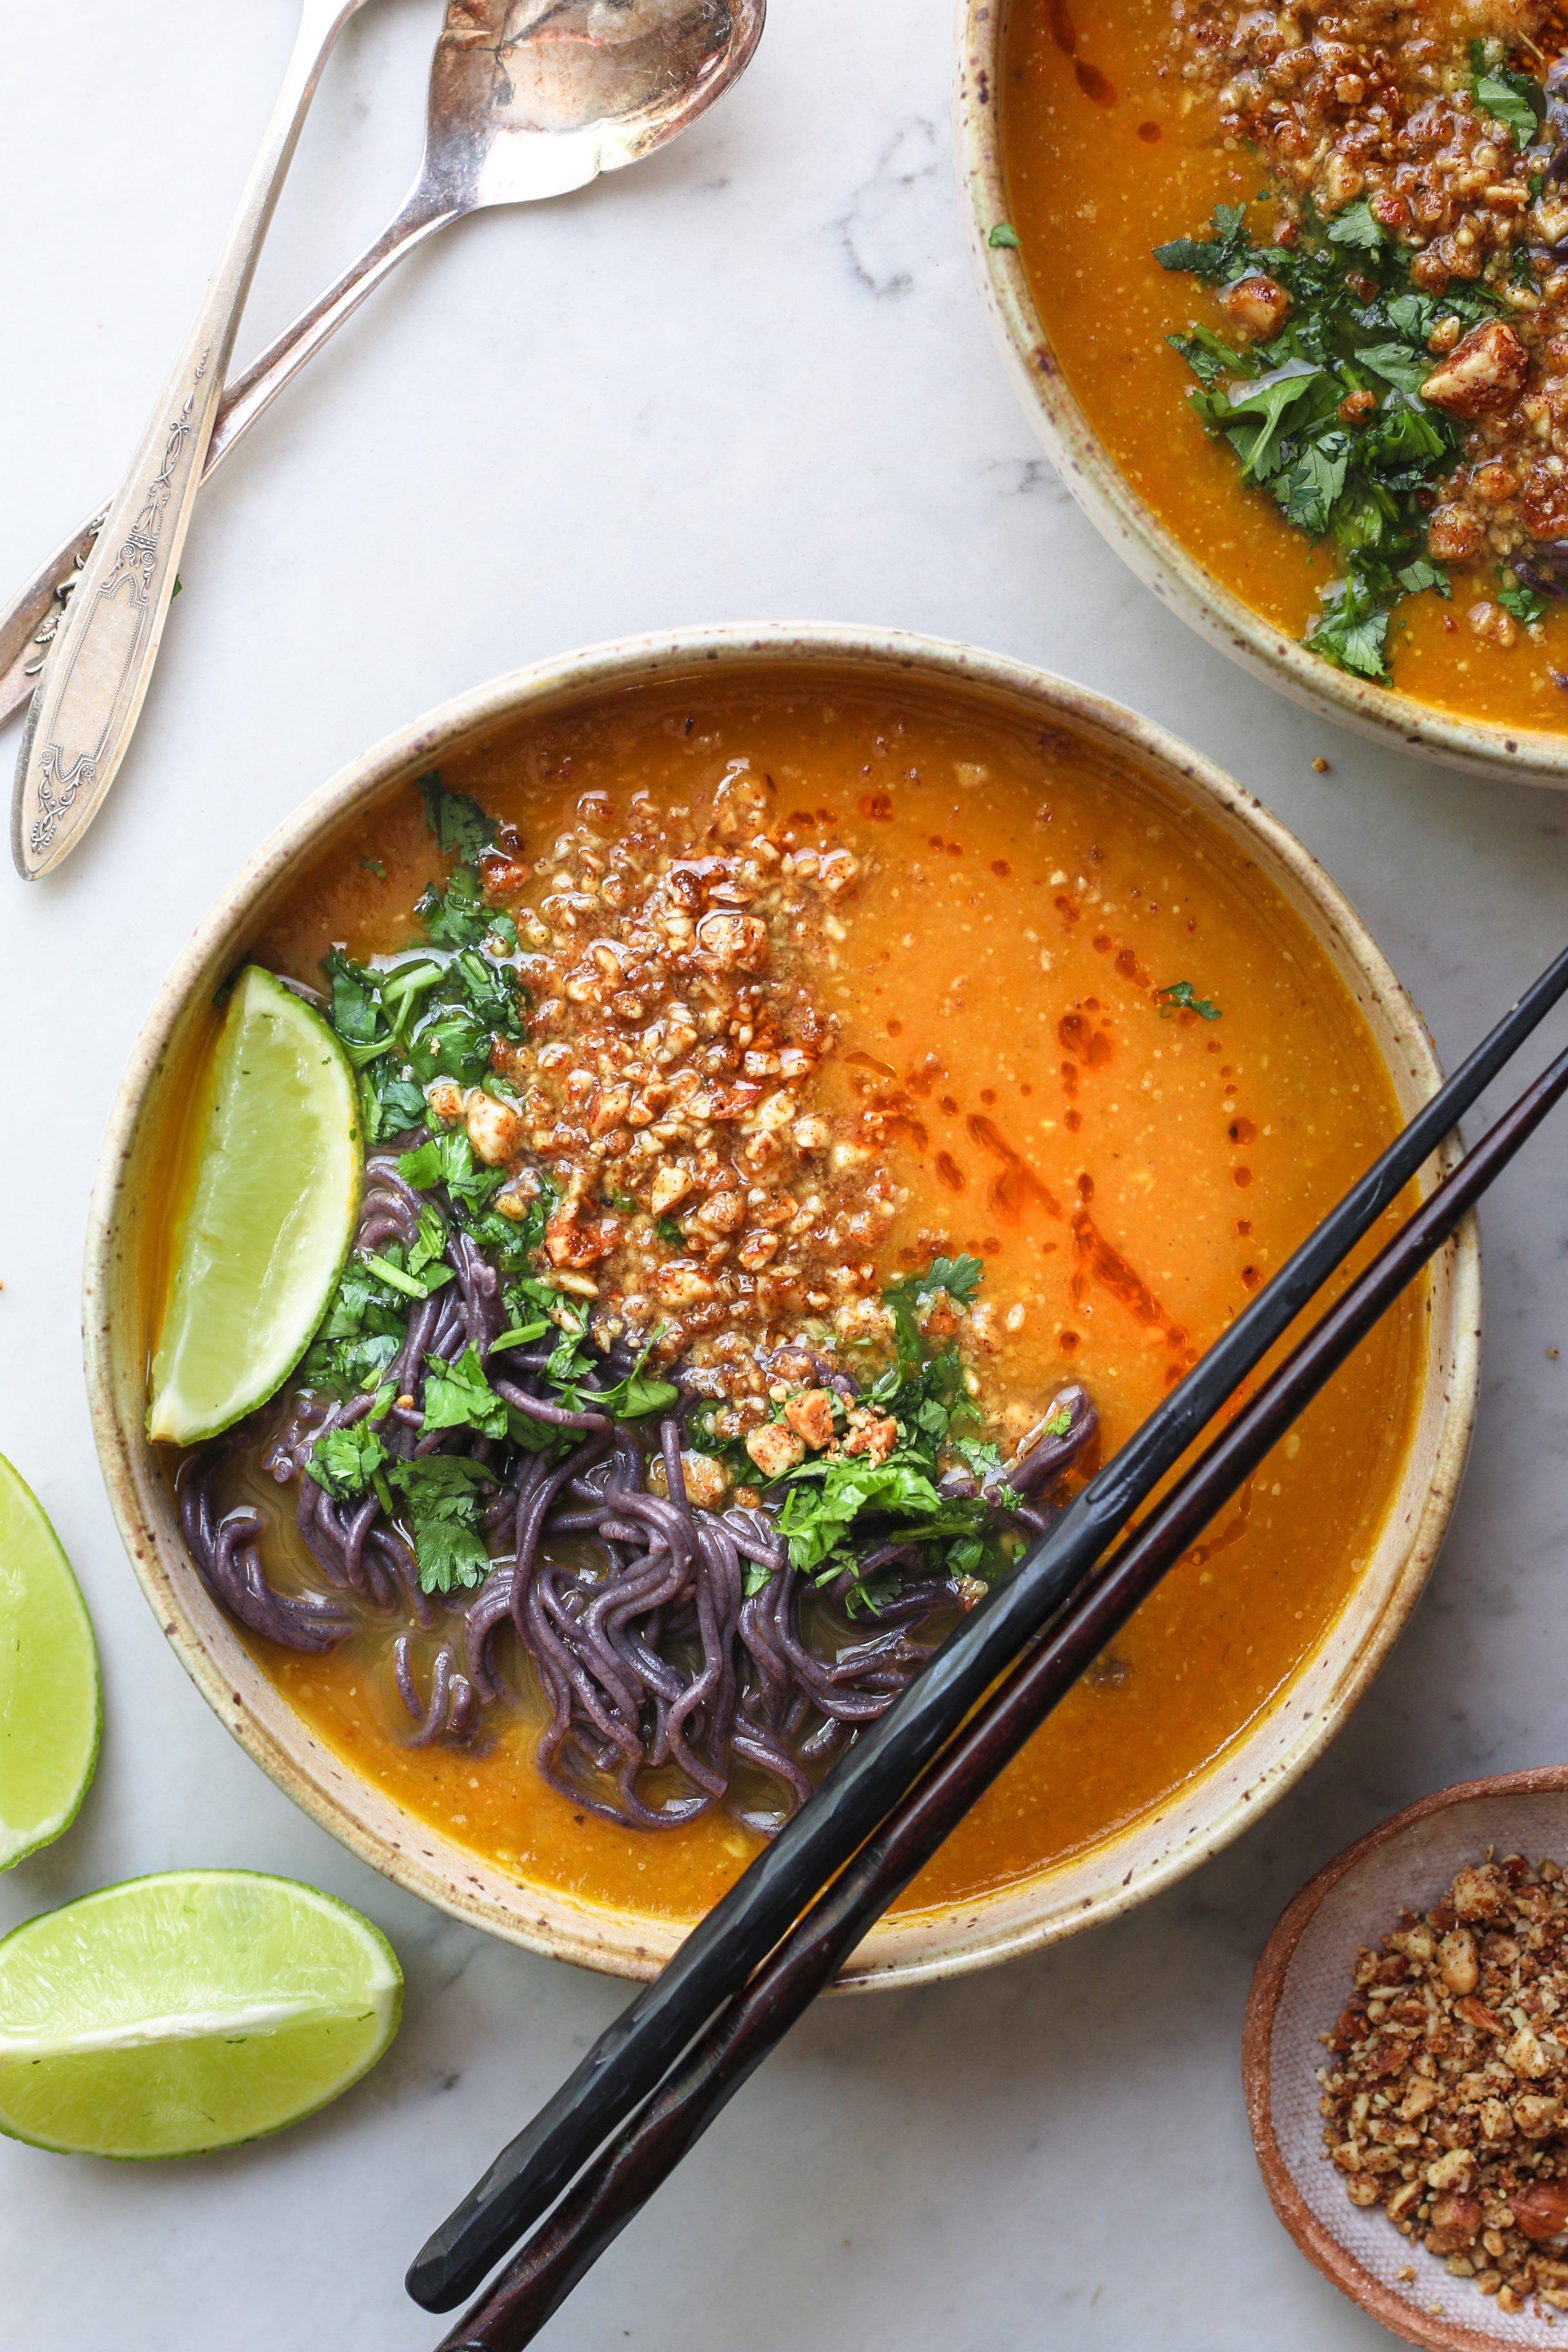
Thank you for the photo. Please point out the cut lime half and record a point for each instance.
(51, 1707)
(271, 1218)
(188, 2011)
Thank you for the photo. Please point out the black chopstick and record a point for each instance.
(634, 2054)
(647, 2149)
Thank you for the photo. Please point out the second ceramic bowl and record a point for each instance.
(1126, 520)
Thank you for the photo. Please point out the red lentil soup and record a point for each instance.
(1126, 123)
(1078, 1034)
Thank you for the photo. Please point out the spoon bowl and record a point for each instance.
(530, 99)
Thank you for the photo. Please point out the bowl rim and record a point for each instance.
(913, 1949)
(1322, 2248)
(1522, 754)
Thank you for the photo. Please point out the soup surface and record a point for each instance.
(1373, 341)
(1062, 1027)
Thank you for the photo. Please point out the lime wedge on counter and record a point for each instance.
(188, 2011)
(270, 1220)
(51, 1707)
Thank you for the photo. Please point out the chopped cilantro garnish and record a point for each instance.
(1522, 601)
(458, 822)
(458, 1396)
(669, 1231)
(1179, 998)
(1327, 416)
(412, 1286)
(449, 1159)
(960, 1277)
(1510, 98)
(445, 1516)
(361, 1332)
(1351, 629)
(1357, 226)
(1221, 257)
(344, 1461)
(458, 916)
(1004, 234)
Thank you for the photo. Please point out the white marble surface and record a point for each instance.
(748, 380)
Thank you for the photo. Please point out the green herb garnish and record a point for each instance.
(445, 1516)
(458, 1396)
(1326, 414)
(1522, 601)
(1179, 998)
(344, 1461)
(458, 822)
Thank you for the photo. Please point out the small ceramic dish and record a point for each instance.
(1150, 1851)
(1298, 1991)
(1116, 509)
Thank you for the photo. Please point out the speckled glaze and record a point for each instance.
(1125, 1870)
(1132, 528)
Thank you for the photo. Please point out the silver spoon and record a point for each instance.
(84, 712)
(528, 99)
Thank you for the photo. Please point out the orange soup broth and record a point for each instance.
(1129, 1176)
(1093, 183)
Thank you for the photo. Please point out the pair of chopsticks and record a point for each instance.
(758, 1959)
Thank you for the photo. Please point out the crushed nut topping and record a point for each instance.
(1446, 2099)
(1398, 107)
(664, 1083)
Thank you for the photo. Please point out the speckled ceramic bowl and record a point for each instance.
(1150, 1852)
(1132, 528)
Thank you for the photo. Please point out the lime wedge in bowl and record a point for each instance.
(271, 1217)
(51, 1707)
(189, 2011)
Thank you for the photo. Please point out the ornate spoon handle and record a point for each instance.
(100, 661)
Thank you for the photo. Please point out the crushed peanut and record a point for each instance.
(1446, 2100)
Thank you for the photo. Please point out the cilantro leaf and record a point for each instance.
(1510, 98)
(430, 1242)
(1005, 235)
(641, 1392)
(1179, 998)
(1309, 485)
(960, 1277)
(362, 1330)
(449, 1159)
(1522, 601)
(1423, 574)
(817, 1515)
(393, 1101)
(1269, 401)
(1217, 257)
(1210, 357)
(458, 916)
(1357, 226)
(458, 822)
(1352, 630)
(1397, 364)
(458, 1396)
(344, 1461)
(446, 1515)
